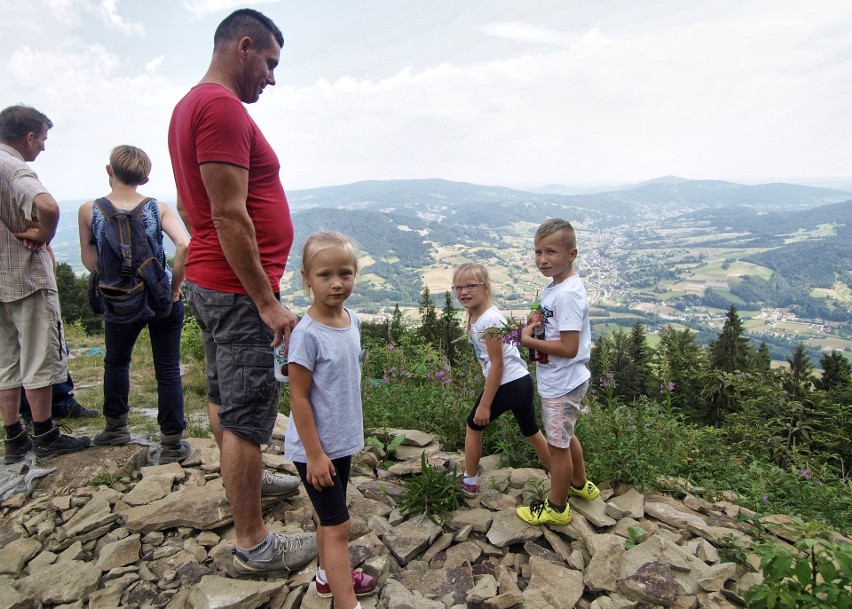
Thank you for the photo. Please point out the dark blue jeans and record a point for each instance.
(62, 399)
(165, 346)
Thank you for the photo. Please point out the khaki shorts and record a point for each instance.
(559, 416)
(33, 354)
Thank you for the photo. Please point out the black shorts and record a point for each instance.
(330, 502)
(516, 396)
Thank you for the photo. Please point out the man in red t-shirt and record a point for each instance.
(232, 201)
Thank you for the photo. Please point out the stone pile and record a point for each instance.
(161, 536)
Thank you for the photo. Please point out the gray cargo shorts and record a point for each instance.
(240, 377)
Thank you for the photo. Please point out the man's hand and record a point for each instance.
(33, 237)
(281, 320)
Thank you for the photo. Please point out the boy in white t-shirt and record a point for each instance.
(563, 380)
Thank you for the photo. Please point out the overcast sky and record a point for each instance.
(498, 92)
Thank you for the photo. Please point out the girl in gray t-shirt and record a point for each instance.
(326, 422)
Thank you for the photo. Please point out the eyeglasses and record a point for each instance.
(458, 289)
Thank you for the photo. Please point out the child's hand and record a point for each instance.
(321, 472)
(528, 329)
(482, 415)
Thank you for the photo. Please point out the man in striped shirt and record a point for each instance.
(31, 333)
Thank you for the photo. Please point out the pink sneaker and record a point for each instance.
(364, 585)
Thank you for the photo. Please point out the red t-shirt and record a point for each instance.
(210, 124)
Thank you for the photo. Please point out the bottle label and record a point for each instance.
(279, 355)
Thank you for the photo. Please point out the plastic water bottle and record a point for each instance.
(279, 355)
(538, 333)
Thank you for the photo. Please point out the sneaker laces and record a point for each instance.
(290, 544)
(537, 507)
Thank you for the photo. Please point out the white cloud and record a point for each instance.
(199, 8)
(107, 12)
(526, 33)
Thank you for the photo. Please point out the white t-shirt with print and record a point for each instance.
(513, 365)
(565, 307)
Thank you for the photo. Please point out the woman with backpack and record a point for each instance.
(117, 261)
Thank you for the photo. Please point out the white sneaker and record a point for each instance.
(278, 485)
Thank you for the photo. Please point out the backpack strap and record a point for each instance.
(122, 241)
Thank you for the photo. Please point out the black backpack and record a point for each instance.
(128, 284)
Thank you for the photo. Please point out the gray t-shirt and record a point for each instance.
(333, 355)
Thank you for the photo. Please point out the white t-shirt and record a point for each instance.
(333, 355)
(513, 365)
(565, 307)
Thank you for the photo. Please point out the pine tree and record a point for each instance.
(430, 327)
(799, 383)
(635, 376)
(836, 371)
(451, 331)
(731, 356)
(762, 359)
(397, 325)
(731, 351)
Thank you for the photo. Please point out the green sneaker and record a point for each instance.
(540, 512)
(588, 492)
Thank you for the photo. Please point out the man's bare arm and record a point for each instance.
(43, 229)
(227, 188)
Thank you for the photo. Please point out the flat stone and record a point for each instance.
(410, 538)
(119, 553)
(17, 554)
(151, 488)
(439, 583)
(507, 529)
(630, 503)
(652, 583)
(63, 582)
(200, 507)
(557, 585)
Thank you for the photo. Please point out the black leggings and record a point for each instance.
(516, 396)
(330, 502)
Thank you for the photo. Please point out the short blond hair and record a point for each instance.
(322, 242)
(555, 225)
(130, 164)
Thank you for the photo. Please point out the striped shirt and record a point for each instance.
(22, 272)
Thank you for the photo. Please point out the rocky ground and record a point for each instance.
(161, 536)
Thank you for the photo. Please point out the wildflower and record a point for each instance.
(765, 499)
(391, 347)
(804, 473)
(608, 380)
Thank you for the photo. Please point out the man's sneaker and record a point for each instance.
(54, 442)
(173, 449)
(540, 512)
(77, 411)
(116, 432)
(588, 492)
(17, 448)
(278, 485)
(364, 585)
(289, 552)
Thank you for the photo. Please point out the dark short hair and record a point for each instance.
(17, 121)
(251, 23)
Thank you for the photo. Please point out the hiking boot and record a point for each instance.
(278, 485)
(588, 492)
(540, 512)
(17, 448)
(54, 442)
(364, 585)
(173, 449)
(289, 552)
(77, 411)
(116, 432)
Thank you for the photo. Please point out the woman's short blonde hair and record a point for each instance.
(130, 164)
